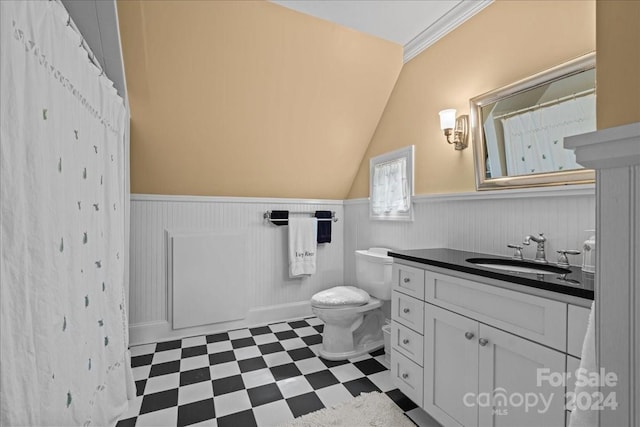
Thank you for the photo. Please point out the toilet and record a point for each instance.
(352, 315)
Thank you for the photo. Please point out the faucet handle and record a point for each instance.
(518, 252)
(563, 261)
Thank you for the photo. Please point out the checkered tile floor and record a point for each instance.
(262, 376)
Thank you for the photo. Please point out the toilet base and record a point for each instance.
(351, 332)
(358, 351)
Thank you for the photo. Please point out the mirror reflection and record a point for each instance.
(519, 130)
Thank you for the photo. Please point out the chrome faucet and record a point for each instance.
(540, 239)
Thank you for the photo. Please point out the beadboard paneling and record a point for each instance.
(482, 222)
(267, 265)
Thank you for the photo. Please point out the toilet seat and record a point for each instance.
(340, 297)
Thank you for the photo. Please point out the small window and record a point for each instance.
(391, 185)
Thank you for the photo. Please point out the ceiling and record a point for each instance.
(413, 24)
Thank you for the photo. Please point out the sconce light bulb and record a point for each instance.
(447, 119)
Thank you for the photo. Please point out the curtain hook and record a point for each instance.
(69, 20)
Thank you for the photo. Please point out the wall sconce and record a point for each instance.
(458, 128)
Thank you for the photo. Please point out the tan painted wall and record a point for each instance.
(247, 98)
(507, 41)
(618, 71)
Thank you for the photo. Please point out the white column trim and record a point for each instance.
(615, 154)
(609, 148)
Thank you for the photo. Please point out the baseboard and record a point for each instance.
(278, 313)
(146, 333)
(151, 332)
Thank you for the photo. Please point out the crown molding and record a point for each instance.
(448, 22)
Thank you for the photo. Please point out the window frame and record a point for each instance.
(407, 153)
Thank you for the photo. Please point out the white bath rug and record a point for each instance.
(367, 410)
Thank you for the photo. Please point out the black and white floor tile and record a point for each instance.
(263, 376)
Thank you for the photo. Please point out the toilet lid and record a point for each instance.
(340, 296)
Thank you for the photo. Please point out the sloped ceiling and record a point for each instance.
(398, 21)
(249, 98)
(413, 24)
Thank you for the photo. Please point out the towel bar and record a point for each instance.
(267, 216)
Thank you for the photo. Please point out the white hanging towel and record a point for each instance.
(580, 416)
(302, 246)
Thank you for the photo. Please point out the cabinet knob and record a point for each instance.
(406, 310)
(405, 341)
(483, 341)
(468, 335)
(406, 280)
(405, 375)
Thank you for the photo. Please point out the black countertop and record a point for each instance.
(575, 283)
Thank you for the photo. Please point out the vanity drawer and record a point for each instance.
(407, 375)
(532, 317)
(408, 311)
(408, 280)
(407, 342)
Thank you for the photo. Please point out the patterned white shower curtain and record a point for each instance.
(534, 140)
(63, 318)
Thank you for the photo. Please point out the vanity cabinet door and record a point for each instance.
(508, 373)
(450, 366)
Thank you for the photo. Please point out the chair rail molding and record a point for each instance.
(615, 155)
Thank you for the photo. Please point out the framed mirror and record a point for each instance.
(519, 129)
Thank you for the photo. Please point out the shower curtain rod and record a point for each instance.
(83, 44)
(546, 104)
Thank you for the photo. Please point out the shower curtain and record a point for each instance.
(534, 140)
(63, 317)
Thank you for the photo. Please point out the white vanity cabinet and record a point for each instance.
(510, 363)
(482, 348)
(468, 365)
(451, 367)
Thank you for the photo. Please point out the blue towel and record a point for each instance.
(324, 227)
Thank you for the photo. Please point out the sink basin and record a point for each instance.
(517, 266)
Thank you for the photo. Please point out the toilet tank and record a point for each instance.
(373, 272)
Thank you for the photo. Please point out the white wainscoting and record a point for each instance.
(483, 221)
(271, 294)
